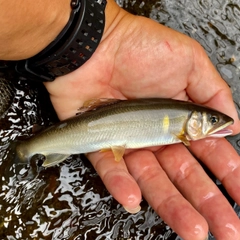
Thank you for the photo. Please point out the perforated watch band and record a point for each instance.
(72, 47)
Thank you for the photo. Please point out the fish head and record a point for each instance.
(211, 123)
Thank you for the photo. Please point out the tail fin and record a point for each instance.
(14, 156)
(22, 166)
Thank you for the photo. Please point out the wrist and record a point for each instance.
(29, 35)
(73, 46)
(27, 32)
(112, 14)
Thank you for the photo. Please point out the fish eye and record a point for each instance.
(214, 119)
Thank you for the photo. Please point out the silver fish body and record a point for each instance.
(125, 124)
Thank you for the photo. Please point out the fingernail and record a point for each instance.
(132, 210)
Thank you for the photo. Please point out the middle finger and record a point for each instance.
(162, 195)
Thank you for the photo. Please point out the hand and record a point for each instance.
(140, 58)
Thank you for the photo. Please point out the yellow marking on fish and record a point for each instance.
(166, 123)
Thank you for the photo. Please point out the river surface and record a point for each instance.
(69, 201)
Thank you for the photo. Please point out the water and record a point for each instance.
(69, 201)
(6, 95)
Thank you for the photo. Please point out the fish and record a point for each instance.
(7, 93)
(116, 125)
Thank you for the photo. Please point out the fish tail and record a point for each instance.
(14, 155)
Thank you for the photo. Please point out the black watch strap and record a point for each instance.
(72, 47)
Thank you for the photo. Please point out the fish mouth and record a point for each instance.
(221, 131)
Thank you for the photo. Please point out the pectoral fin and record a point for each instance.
(54, 159)
(183, 139)
(118, 152)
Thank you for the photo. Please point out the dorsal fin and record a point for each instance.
(96, 103)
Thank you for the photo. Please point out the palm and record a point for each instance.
(172, 68)
(144, 59)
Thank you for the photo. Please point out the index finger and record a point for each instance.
(163, 196)
(117, 180)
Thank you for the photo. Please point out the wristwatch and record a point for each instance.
(71, 49)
